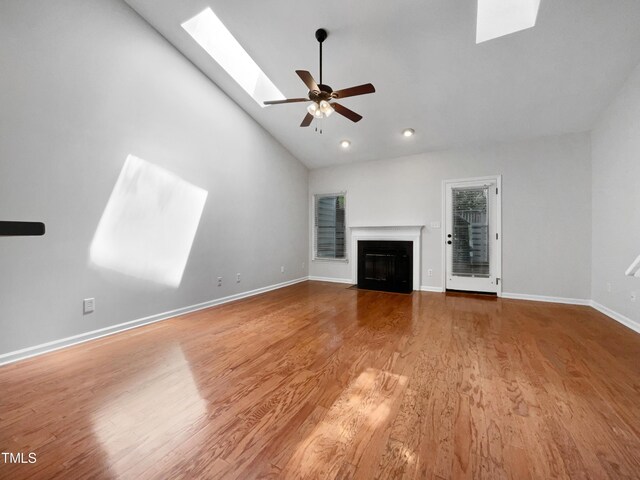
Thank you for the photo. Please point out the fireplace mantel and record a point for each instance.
(412, 233)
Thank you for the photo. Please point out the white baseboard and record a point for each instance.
(543, 298)
(332, 280)
(28, 352)
(424, 288)
(618, 317)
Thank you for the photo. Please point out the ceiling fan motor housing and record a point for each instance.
(321, 35)
(324, 93)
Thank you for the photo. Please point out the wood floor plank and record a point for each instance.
(319, 381)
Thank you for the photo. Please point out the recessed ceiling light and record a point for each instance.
(345, 143)
(212, 35)
(497, 18)
(408, 132)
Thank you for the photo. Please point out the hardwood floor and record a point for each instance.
(321, 381)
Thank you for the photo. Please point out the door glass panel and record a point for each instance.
(470, 247)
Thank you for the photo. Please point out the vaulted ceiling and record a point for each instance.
(428, 71)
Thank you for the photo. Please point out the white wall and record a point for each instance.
(546, 208)
(616, 201)
(84, 83)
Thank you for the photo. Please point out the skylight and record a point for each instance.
(211, 34)
(497, 18)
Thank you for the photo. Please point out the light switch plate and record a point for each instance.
(89, 305)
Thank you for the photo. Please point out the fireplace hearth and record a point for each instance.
(385, 265)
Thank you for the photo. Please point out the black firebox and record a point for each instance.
(385, 265)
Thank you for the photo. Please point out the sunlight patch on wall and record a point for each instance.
(497, 18)
(149, 224)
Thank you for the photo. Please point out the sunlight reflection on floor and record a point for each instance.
(158, 407)
(357, 416)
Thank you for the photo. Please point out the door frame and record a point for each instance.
(498, 219)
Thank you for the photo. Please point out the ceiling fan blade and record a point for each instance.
(307, 120)
(287, 100)
(308, 80)
(345, 112)
(353, 91)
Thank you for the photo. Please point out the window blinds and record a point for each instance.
(330, 226)
(470, 254)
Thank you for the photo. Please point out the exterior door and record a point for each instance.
(471, 236)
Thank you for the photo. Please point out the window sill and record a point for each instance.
(331, 260)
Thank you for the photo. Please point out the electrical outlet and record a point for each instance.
(219, 281)
(89, 305)
(430, 273)
(608, 287)
(282, 269)
(238, 278)
(633, 296)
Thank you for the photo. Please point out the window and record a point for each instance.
(330, 229)
(212, 35)
(497, 18)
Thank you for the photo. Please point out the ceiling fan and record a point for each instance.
(323, 96)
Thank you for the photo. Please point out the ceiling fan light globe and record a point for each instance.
(313, 108)
(326, 108)
(318, 113)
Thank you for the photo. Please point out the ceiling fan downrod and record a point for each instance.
(321, 36)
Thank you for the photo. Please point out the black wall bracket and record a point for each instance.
(21, 229)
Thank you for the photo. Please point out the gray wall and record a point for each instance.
(546, 208)
(83, 84)
(616, 201)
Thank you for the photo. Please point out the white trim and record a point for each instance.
(618, 317)
(544, 298)
(410, 233)
(47, 347)
(634, 268)
(425, 288)
(332, 280)
(498, 266)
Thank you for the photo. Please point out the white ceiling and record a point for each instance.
(428, 71)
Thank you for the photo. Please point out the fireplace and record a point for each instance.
(385, 265)
(388, 233)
